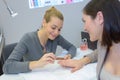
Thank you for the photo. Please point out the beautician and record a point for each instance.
(37, 49)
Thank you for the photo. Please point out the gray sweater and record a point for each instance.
(29, 49)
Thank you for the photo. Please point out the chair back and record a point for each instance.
(7, 50)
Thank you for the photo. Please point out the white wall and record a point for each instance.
(30, 20)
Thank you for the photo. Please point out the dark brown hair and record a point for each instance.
(111, 13)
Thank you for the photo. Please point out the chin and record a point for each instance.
(92, 40)
(51, 38)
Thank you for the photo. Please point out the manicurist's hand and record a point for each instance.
(68, 56)
(45, 59)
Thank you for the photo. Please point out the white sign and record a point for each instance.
(43, 3)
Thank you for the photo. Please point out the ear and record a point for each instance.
(43, 22)
(100, 17)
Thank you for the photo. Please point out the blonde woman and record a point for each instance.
(38, 48)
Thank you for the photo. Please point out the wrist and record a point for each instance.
(33, 65)
(85, 60)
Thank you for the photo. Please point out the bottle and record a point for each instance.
(84, 44)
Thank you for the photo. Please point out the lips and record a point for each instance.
(53, 36)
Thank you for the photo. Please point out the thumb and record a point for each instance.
(74, 69)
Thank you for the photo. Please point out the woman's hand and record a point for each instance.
(68, 56)
(74, 64)
(45, 59)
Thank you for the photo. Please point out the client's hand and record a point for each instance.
(74, 64)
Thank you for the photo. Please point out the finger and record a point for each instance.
(50, 59)
(68, 56)
(59, 61)
(62, 62)
(65, 65)
(51, 55)
(74, 69)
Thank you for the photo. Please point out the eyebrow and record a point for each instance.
(57, 26)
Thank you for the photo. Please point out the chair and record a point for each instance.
(2, 43)
(6, 52)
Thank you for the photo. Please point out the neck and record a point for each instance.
(42, 37)
(115, 47)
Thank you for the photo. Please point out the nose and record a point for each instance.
(85, 29)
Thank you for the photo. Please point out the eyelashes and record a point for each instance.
(54, 28)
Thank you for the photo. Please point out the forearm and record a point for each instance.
(93, 56)
(85, 60)
(72, 51)
(33, 65)
(15, 67)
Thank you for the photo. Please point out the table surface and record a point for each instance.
(56, 72)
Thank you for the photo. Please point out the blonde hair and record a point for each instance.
(53, 12)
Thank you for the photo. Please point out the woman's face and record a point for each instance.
(93, 26)
(53, 27)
